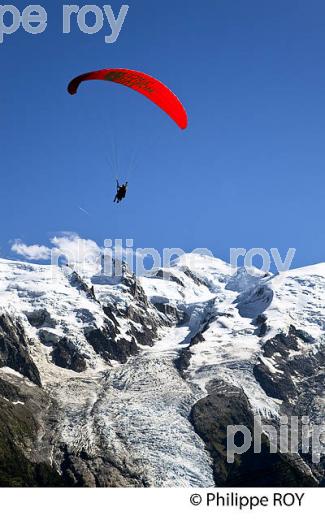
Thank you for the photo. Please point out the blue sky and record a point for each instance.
(248, 172)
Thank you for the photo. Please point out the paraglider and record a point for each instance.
(146, 85)
(121, 190)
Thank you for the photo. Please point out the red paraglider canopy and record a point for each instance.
(146, 85)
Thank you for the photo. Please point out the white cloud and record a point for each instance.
(82, 254)
(32, 252)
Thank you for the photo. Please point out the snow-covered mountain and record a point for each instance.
(133, 382)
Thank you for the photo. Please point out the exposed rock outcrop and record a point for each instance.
(25, 446)
(15, 349)
(225, 406)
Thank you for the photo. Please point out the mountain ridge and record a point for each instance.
(125, 366)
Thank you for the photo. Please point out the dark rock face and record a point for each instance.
(182, 362)
(77, 282)
(261, 323)
(83, 470)
(176, 316)
(298, 380)
(40, 318)
(142, 317)
(198, 338)
(111, 316)
(15, 469)
(14, 349)
(109, 348)
(166, 275)
(194, 277)
(291, 367)
(226, 405)
(66, 356)
(23, 462)
(142, 326)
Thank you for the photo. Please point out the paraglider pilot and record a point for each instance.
(121, 191)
